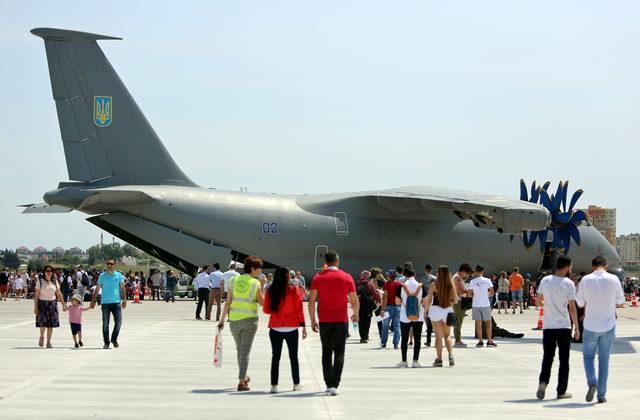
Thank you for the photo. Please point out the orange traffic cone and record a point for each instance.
(634, 300)
(136, 296)
(540, 317)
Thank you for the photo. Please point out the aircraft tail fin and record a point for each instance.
(106, 137)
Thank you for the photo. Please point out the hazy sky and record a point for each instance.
(342, 96)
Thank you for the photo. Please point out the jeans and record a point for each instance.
(277, 338)
(416, 326)
(203, 299)
(107, 310)
(333, 336)
(457, 330)
(394, 319)
(551, 338)
(243, 332)
(602, 342)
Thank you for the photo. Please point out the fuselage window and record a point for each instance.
(342, 227)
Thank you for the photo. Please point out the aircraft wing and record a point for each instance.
(43, 208)
(420, 202)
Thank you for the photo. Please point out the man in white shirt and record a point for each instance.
(599, 293)
(215, 279)
(558, 293)
(228, 275)
(79, 285)
(482, 289)
(202, 284)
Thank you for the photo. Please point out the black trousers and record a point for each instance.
(334, 338)
(364, 324)
(277, 338)
(405, 327)
(203, 299)
(429, 330)
(551, 339)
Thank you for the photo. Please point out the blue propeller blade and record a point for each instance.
(564, 196)
(532, 239)
(525, 239)
(573, 232)
(546, 185)
(557, 199)
(566, 242)
(533, 192)
(535, 195)
(574, 199)
(544, 199)
(542, 235)
(556, 244)
(523, 191)
(579, 216)
(562, 218)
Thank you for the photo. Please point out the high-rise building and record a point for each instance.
(629, 248)
(604, 220)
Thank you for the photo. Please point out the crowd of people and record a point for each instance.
(400, 303)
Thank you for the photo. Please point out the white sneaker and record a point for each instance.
(415, 364)
(333, 392)
(274, 389)
(297, 387)
(402, 364)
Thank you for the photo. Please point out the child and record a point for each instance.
(75, 319)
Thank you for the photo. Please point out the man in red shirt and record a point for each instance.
(332, 287)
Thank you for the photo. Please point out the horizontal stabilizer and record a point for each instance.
(114, 197)
(53, 34)
(43, 208)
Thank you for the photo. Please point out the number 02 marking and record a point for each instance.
(270, 228)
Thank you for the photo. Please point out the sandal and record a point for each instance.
(243, 387)
(41, 341)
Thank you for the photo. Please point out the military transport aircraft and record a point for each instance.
(160, 210)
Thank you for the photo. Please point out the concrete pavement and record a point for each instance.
(164, 369)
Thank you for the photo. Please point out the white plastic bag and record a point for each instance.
(217, 348)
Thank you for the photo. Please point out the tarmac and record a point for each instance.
(164, 370)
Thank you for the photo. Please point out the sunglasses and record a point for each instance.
(48, 271)
(110, 264)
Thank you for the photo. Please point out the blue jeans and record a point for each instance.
(602, 342)
(394, 317)
(107, 310)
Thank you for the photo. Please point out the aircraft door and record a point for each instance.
(319, 257)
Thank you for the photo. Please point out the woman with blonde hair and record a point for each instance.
(440, 300)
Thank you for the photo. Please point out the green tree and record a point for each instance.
(10, 259)
(130, 250)
(36, 264)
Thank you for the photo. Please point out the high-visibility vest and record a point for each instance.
(244, 304)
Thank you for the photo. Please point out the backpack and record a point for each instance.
(366, 300)
(412, 305)
(85, 279)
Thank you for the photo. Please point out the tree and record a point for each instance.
(36, 264)
(130, 251)
(10, 259)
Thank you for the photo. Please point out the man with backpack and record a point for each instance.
(369, 298)
(412, 298)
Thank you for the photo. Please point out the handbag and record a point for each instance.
(452, 319)
(466, 303)
(217, 349)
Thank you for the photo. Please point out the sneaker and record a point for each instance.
(402, 364)
(542, 387)
(395, 347)
(437, 363)
(491, 344)
(297, 387)
(459, 344)
(415, 364)
(452, 362)
(274, 389)
(410, 343)
(198, 318)
(106, 346)
(383, 346)
(602, 400)
(480, 344)
(333, 392)
(115, 344)
(427, 344)
(363, 341)
(76, 345)
(80, 342)
(564, 396)
(591, 392)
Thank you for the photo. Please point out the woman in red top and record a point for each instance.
(284, 302)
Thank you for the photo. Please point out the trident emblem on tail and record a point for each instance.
(102, 110)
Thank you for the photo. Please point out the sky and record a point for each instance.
(335, 96)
